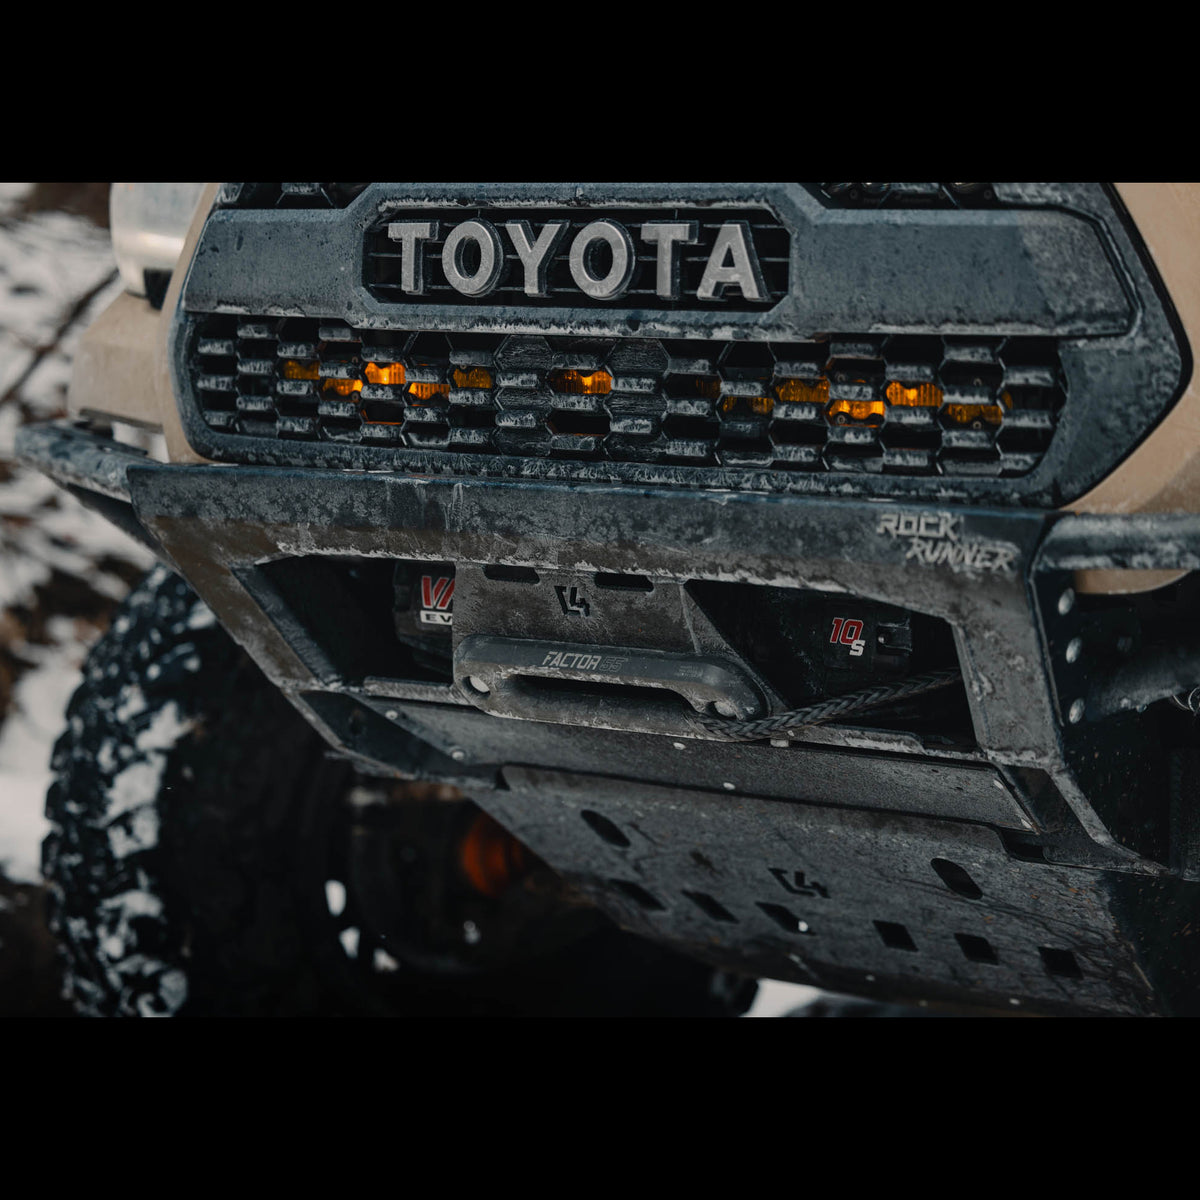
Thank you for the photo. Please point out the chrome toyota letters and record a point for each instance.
(601, 257)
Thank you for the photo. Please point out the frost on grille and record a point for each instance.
(914, 405)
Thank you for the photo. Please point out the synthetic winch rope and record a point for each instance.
(827, 710)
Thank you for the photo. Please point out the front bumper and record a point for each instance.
(1085, 852)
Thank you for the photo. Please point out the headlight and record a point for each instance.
(149, 223)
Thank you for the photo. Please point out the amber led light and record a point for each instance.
(476, 377)
(598, 383)
(842, 411)
(300, 370)
(973, 414)
(921, 395)
(798, 391)
(342, 387)
(391, 374)
(427, 391)
(761, 405)
(976, 414)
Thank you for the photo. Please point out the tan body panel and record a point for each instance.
(121, 366)
(114, 365)
(1163, 474)
(121, 371)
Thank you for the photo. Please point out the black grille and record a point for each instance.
(382, 258)
(910, 195)
(900, 405)
(288, 195)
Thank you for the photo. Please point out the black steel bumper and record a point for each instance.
(1074, 874)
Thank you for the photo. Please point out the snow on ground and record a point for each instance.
(62, 567)
(49, 261)
(26, 739)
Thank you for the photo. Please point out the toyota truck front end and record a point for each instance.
(806, 573)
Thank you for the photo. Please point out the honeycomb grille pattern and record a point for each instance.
(906, 405)
(910, 195)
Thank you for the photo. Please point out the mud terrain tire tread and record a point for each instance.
(140, 727)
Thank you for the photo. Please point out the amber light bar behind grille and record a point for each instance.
(913, 405)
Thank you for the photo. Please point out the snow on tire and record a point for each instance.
(100, 856)
(174, 744)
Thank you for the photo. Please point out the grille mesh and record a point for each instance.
(904, 405)
(910, 195)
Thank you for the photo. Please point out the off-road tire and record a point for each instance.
(189, 811)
